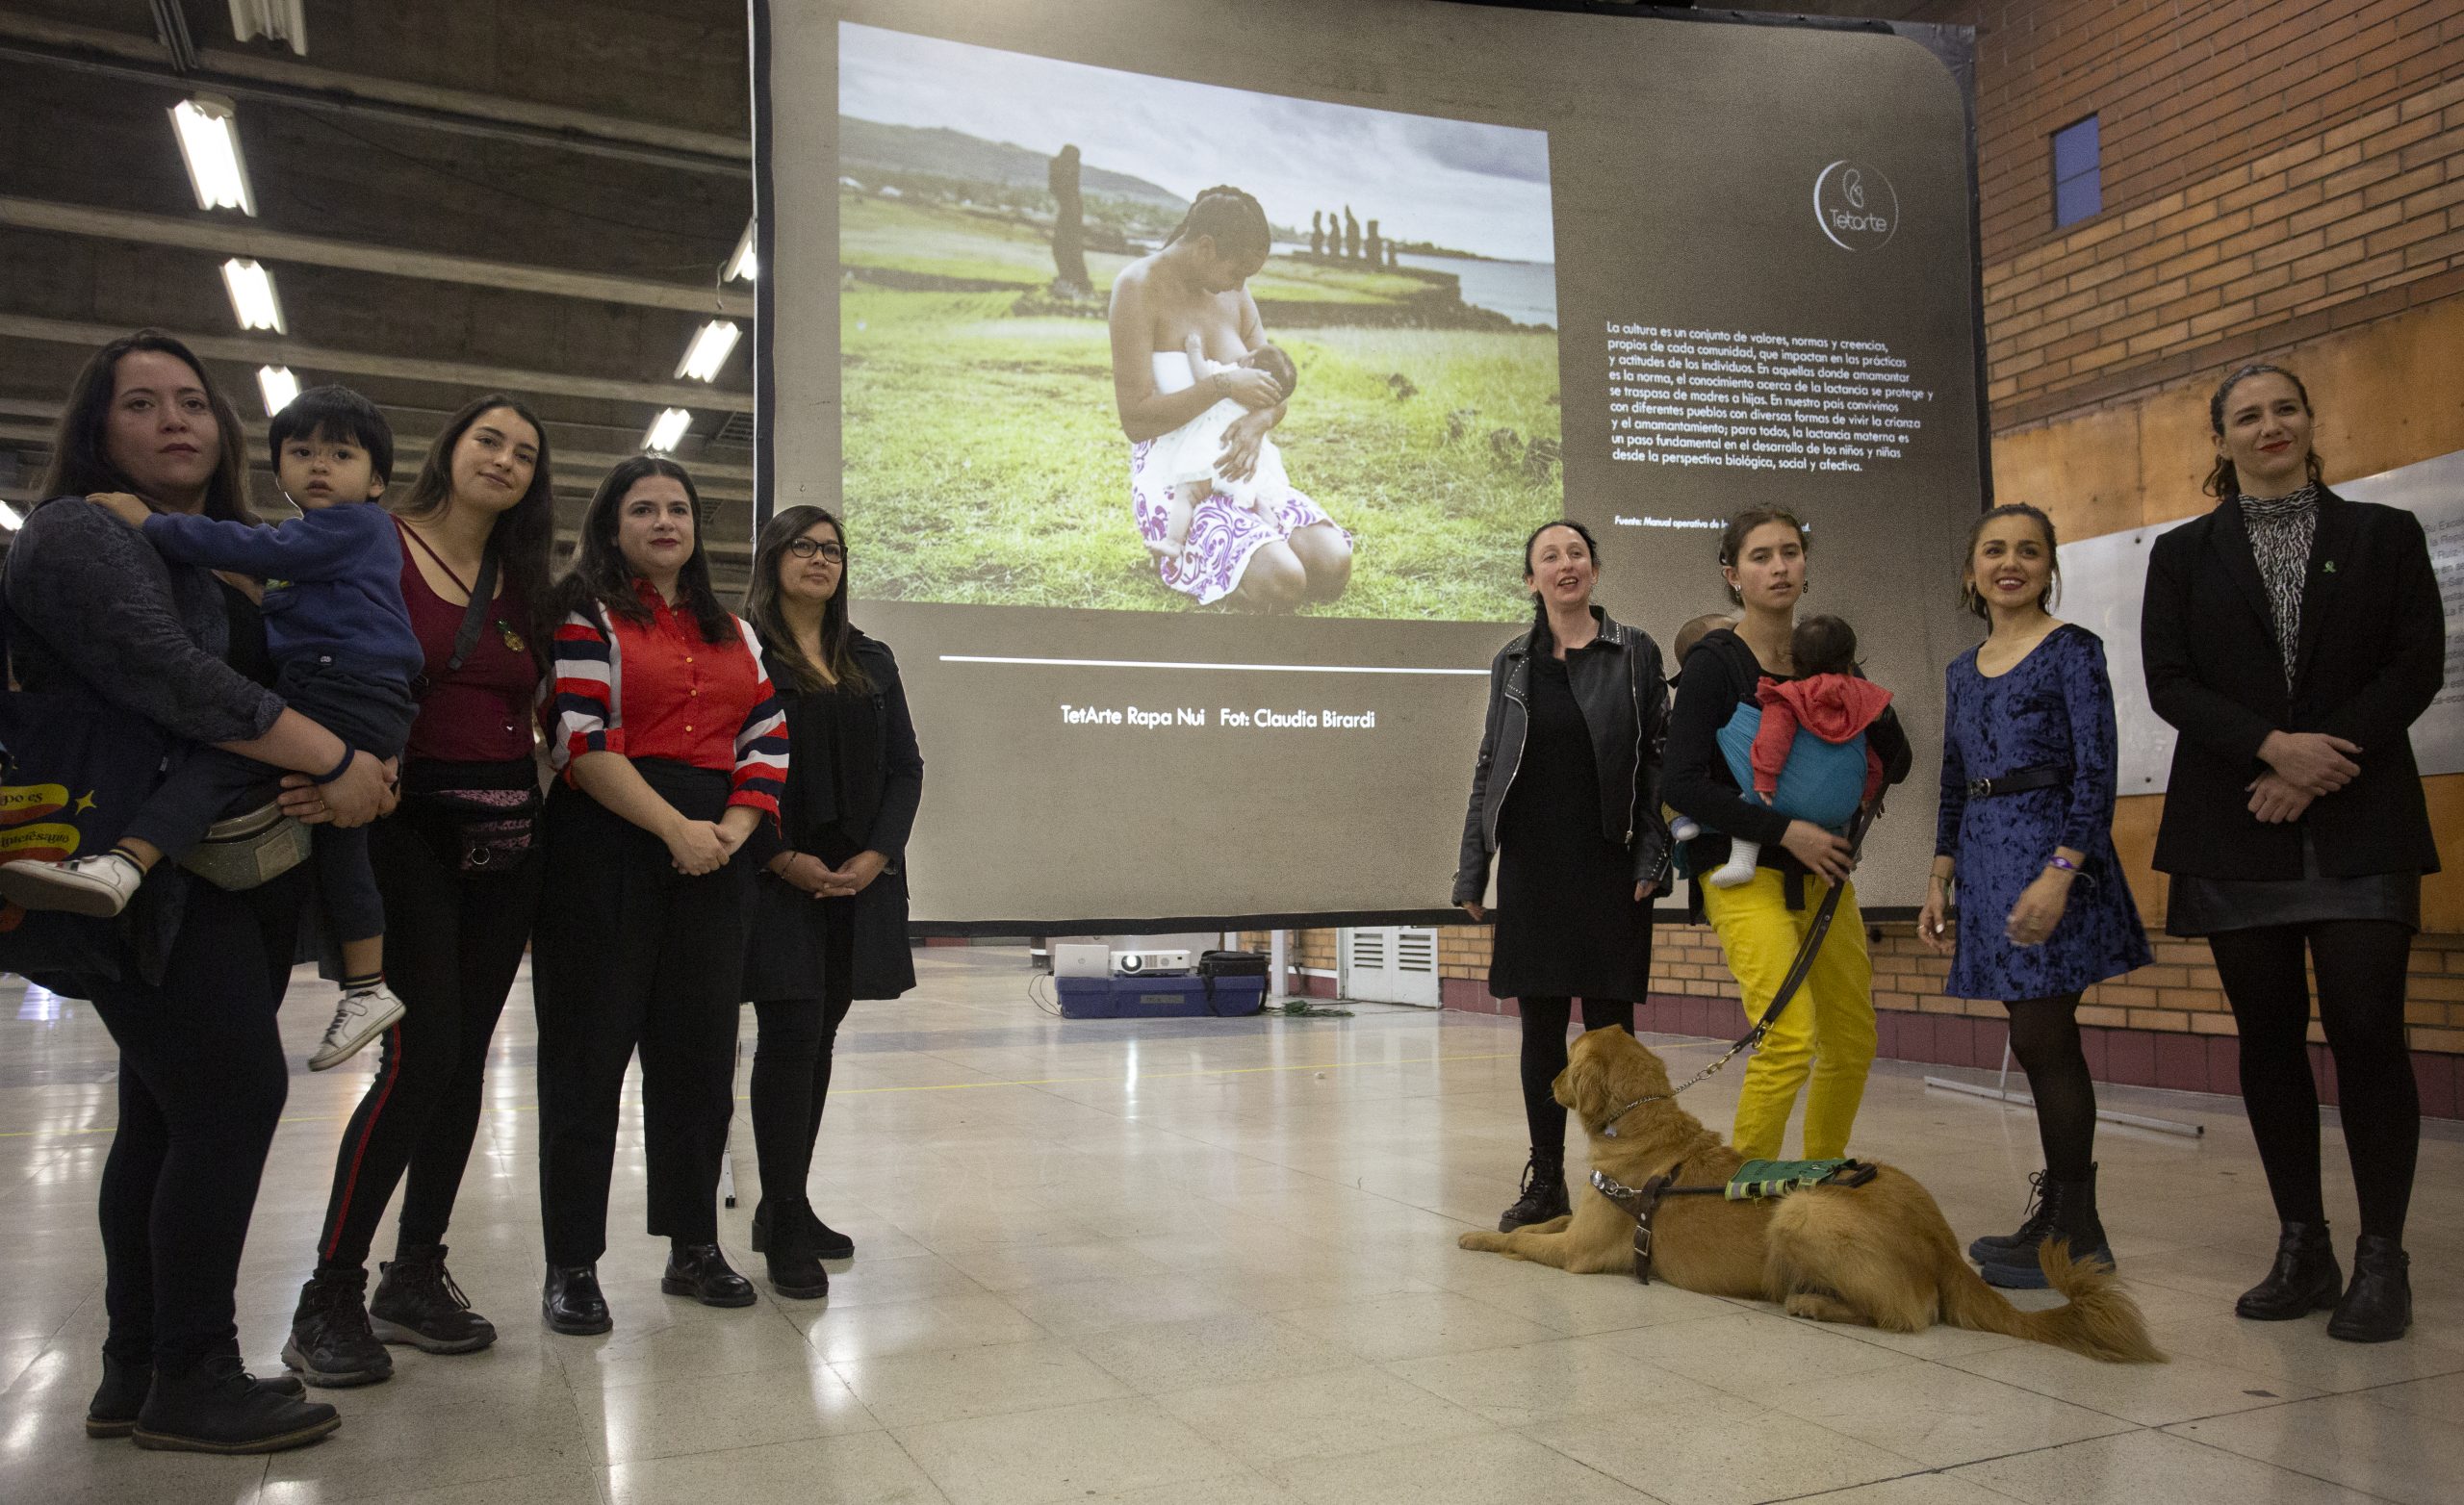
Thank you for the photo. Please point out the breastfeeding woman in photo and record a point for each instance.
(1565, 800)
(673, 752)
(2294, 638)
(1286, 552)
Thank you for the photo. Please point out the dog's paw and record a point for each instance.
(1481, 1239)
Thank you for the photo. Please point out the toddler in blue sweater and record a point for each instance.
(344, 657)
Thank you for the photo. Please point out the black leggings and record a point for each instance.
(2044, 1036)
(791, 1059)
(1544, 1055)
(453, 942)
(2361, 966)
(202, 1080)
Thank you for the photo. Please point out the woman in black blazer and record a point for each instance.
(830, 920)
(2293, 637)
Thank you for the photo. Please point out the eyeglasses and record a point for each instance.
(807, 549)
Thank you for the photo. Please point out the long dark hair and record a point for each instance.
(1237, 221)
(526, 532)
(1544, 641)
(2223, 480)
(838, 666)
(1741, 527)
(81, 463)
(1973, 599)
(598, 575)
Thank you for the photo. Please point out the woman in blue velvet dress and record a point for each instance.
(2042, 910)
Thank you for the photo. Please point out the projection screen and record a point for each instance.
(1642, 273)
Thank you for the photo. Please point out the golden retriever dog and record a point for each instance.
(1878, 1255)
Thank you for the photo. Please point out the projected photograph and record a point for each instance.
(1123, 341)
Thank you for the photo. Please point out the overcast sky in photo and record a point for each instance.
(1477, 188)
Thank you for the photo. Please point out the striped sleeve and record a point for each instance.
(762, 743)
(586, 692)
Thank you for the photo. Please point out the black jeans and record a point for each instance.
(630, 952)
(1544, 1055)
(453, 942)
(792, 1062)
(2361, 966)
(202, 1080)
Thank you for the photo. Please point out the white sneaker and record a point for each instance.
(364, 1014)
(97, 887)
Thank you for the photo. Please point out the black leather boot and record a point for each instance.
(699, 1270)
(2070, 1217)
(2305, 1278)
(214, 1406)
(1544, 1195)
(2033, 1223)
(571, 1302)
(795, 1265)
(827, 1242)
(417, 1303)
(2377, 1307)
(330, 1343)
(113, 1412)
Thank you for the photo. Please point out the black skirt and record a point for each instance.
(1567, 923)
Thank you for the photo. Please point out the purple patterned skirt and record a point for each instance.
(1223, 534)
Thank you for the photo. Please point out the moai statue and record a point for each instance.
(1376, 248)
(1317, 233)
(1352, 236)
(1068, 227)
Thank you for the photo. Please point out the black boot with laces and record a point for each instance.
(1544, 1195)
(214, 1406)
(332, 1343)
(2033, 1224)
(417, 1303)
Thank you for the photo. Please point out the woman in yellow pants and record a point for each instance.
(1826, 1033)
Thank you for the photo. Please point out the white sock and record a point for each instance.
(1743, 854)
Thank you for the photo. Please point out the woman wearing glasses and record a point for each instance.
(830, 925)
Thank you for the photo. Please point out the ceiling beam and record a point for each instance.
(248, 238)
(304, 86)
(281, 350)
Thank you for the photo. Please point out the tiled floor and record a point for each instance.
(1212, 1264)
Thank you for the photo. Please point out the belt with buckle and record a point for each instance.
(2045, 776)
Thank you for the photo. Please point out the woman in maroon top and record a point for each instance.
(459, 892)
(674, 752)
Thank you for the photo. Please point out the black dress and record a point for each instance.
(1567, 925)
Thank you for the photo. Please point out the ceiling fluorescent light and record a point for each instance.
(667, 430)
(274, 21)
(742, 263)
(252, 299)
(280, 387)
(209, 133)
(9, 521)
(710, 350)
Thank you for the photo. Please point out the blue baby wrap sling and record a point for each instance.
(1822, 781)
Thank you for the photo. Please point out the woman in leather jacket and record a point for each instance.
(1565, 794)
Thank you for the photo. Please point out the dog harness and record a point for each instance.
(1754, 1181)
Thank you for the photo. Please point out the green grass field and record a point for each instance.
(984, 463)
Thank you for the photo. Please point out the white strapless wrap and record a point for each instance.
(1186, 454)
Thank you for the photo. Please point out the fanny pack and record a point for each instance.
(248, 850)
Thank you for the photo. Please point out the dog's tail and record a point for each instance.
(2100, 1319)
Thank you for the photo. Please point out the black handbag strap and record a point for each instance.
(483, 593)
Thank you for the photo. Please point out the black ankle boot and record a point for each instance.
(330, 1343)
(827, 1242)
(2305, 1278)
(214, 1406)
(795, 1264)
(2069, 1209)
(571, 1302)
(1544, 1195)
(113, 1412)
(2033, 1223)
(699, 1270)
(417, 1303)
(2377, 1307)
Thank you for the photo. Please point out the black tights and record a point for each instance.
(790, 1083)
(2361, 966)
(1544, 1055)
(2044, 1035)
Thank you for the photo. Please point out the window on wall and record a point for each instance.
(2078, 189)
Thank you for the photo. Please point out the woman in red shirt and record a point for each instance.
(461, 888)
(673, 751)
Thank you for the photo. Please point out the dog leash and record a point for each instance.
(1798, 971)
